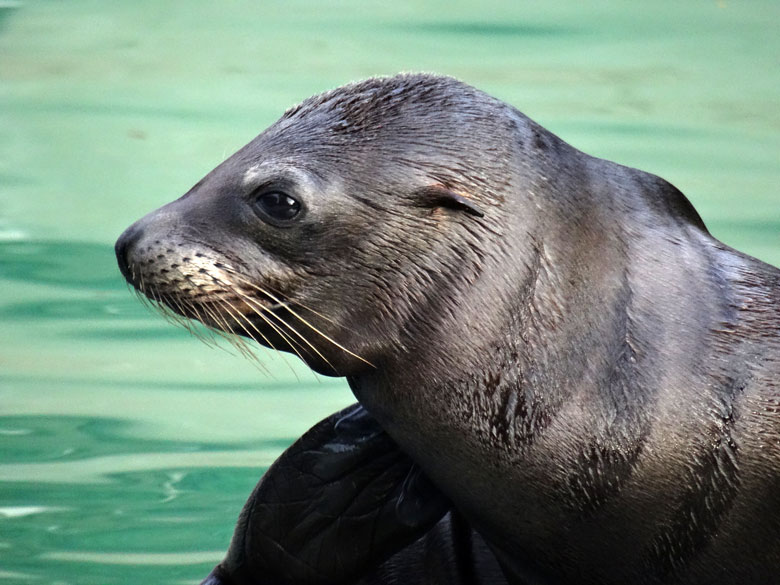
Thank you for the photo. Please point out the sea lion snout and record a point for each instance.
(157, 249)
(145, 244)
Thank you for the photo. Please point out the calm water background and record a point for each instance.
(126, 447)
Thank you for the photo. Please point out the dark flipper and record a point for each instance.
(450, 553)
(345, 503)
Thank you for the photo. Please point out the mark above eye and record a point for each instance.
(278, 205)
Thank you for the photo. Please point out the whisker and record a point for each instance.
(179, 319)
(182, 311)
(221, 327)
(299, 317)
(239, 317)
(207, 334)
(259, 310)
(238, 343)
(317, 331)
(260, 313)
(281, 294)
(220, 316)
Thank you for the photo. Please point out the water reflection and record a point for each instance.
(80, 265)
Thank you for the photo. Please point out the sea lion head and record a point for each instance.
(330, 233)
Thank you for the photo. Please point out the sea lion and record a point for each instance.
(587, 377)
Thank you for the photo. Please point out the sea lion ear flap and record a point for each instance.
(441, 196)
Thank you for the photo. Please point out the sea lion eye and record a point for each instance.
(278, 205)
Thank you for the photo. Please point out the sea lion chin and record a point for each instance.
(584, 377)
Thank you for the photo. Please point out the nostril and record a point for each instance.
(124, 247)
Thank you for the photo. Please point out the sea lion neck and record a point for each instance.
(545, 316)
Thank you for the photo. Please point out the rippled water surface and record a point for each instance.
(126, 447)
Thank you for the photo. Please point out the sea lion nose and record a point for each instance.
(124, 246)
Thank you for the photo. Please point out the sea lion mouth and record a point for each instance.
(230, 313)
(226, 309)
(233, 307)
(186, 284)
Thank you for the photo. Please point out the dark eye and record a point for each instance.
(278, 205)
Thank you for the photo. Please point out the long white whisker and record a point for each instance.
(286, 302)
(239, 317)
(262, 309)
(317, 331)
(300, 318)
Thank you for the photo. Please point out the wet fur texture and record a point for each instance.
(583, 371)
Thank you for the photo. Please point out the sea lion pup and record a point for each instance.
(555, 340)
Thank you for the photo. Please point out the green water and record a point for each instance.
(126, 447)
